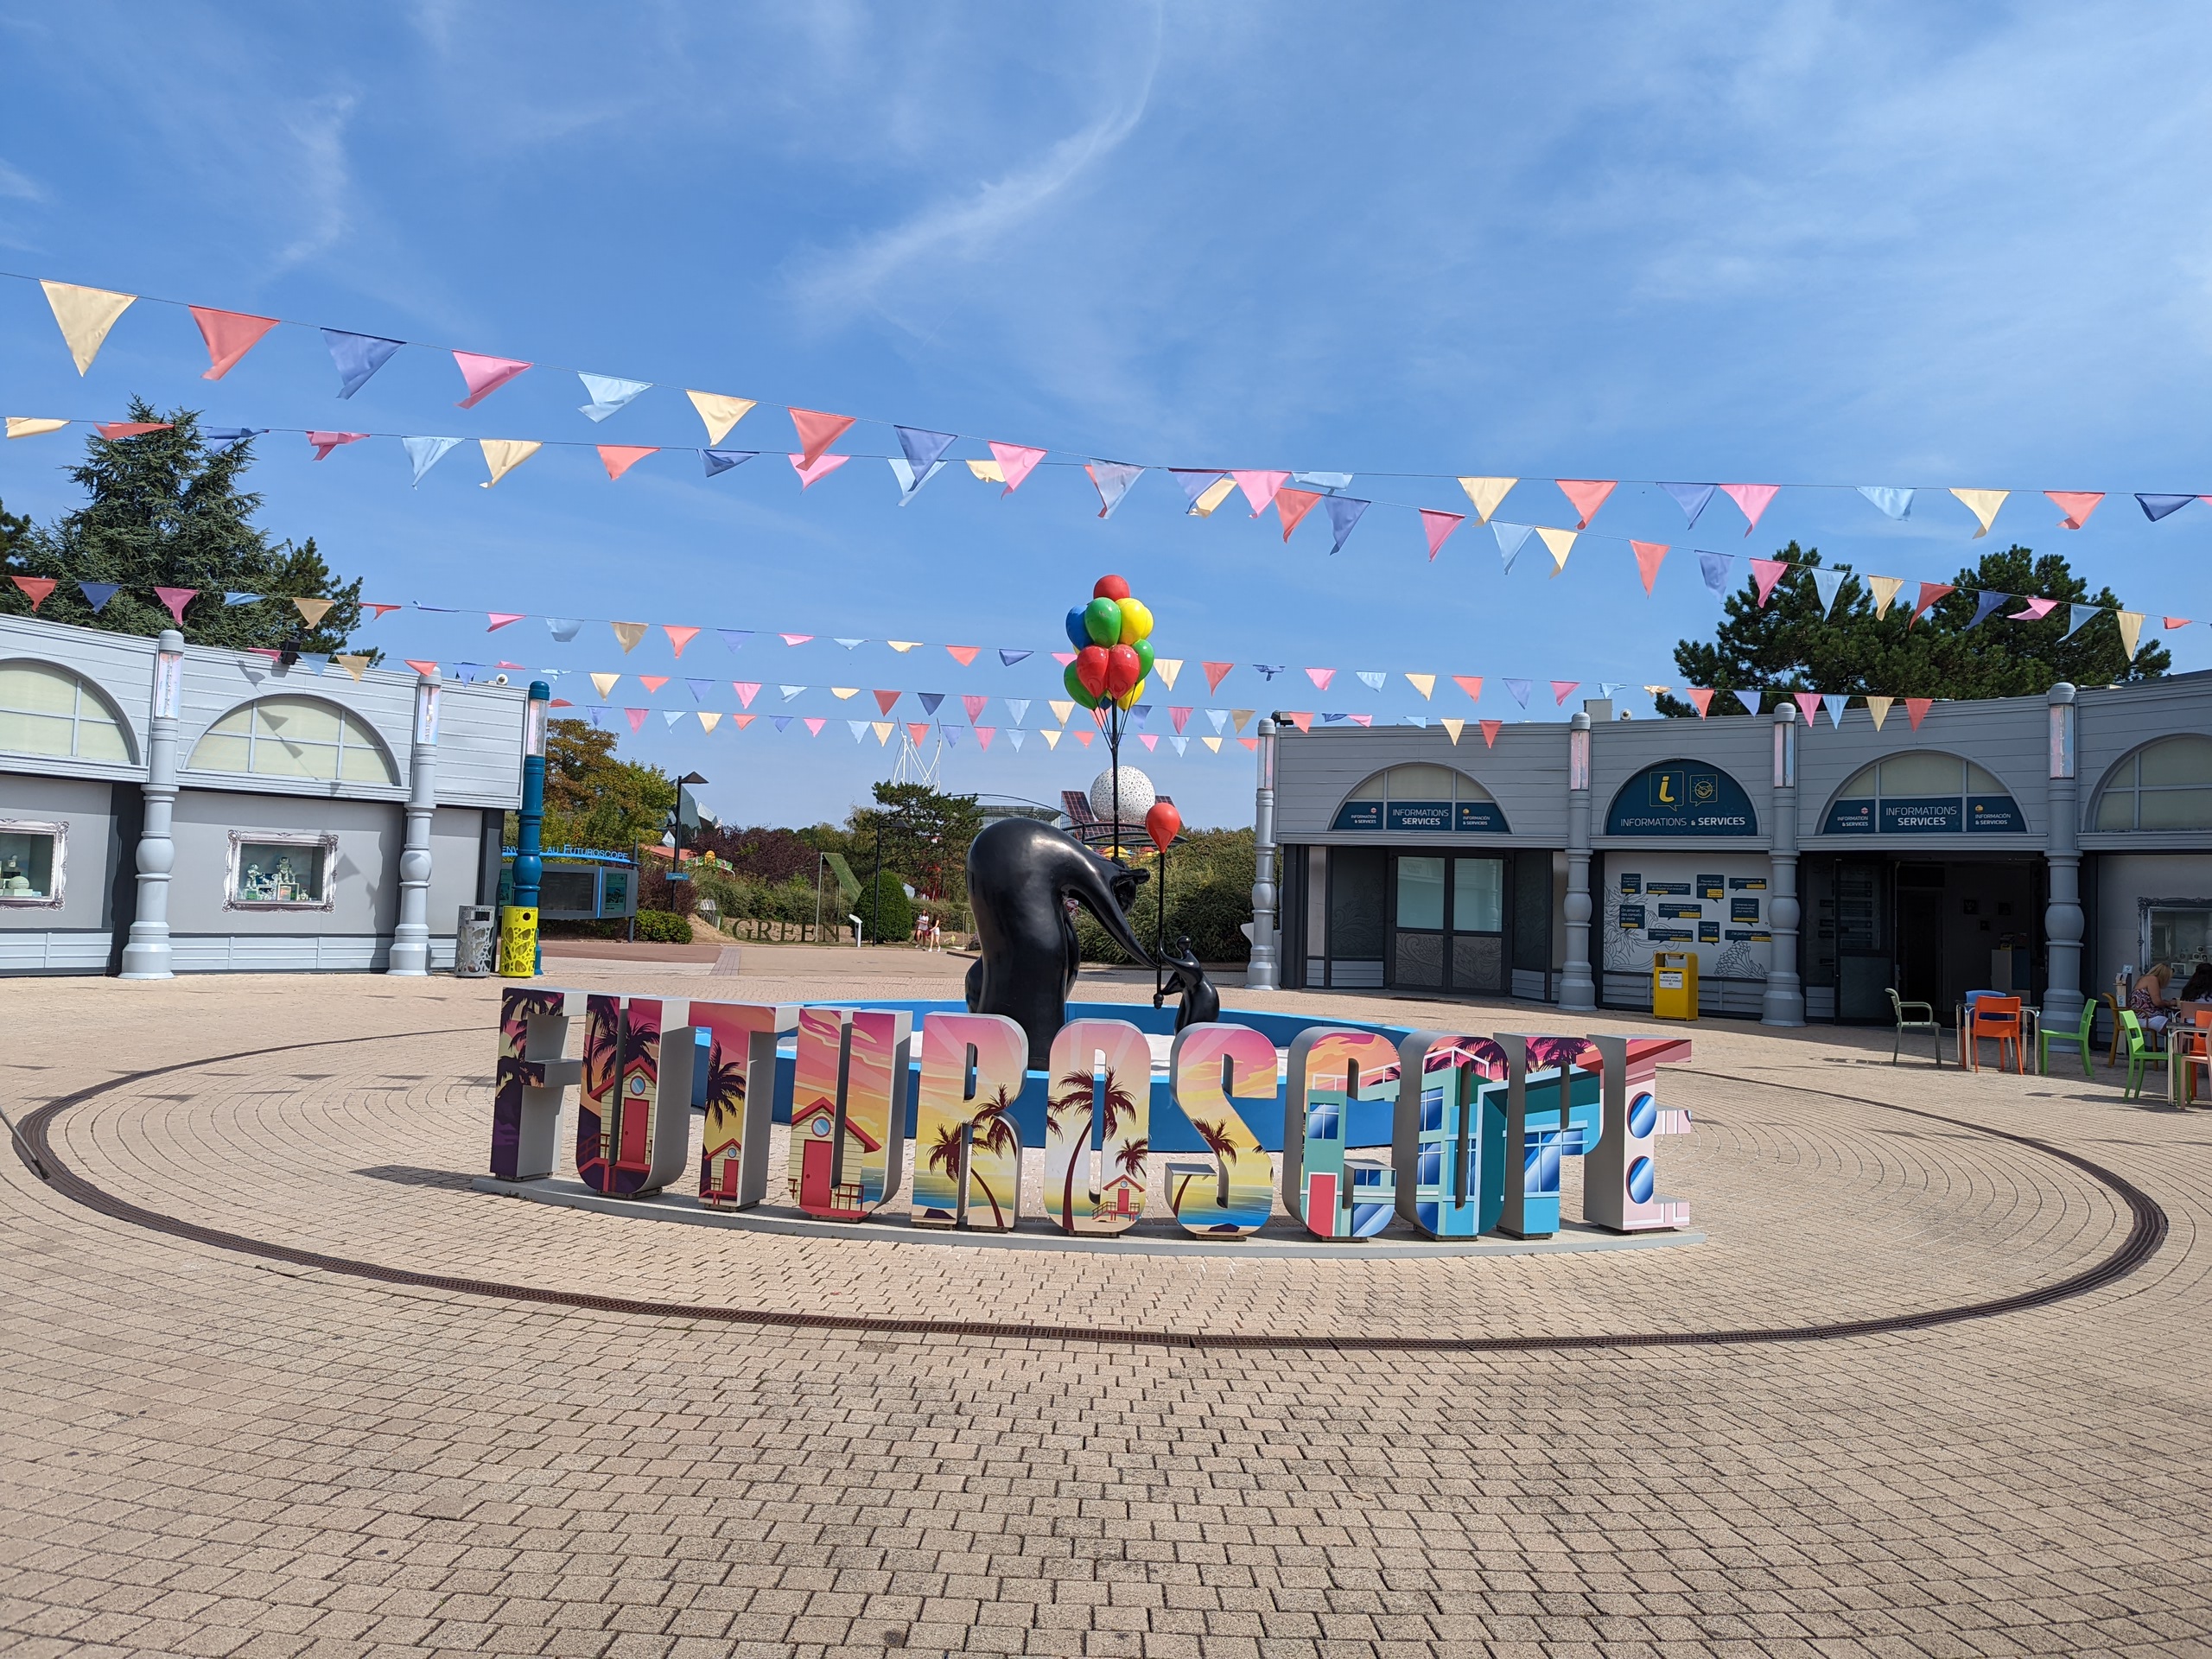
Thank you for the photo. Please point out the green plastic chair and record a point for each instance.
(2079, 1040)
(2140, 1052)
(1927, 1023)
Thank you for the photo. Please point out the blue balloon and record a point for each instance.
(1078, 636)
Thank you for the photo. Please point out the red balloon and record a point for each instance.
(1110, 587)
(1092, 668)
(1163, 824)
(1123, 670)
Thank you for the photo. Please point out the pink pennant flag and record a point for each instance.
(746, 690)
(427, 671)
(984, 734)
(794, 639)
(2032, 610)
(1251, 743)
(1766, 573)
(1491, 729)
(1918, 709)
(36, 589)
(743, 721)
(324, 443)
(619, 458)
(816, 432)
(113, 431)
(652, 683)
(1469, 684)
(1701, 698)
(1649, 554)
(1320, 677)
(1587, 494)
(2173, 622)
(485, 375)
(1752, 498)
(230, 335)
(1084, 738)
(1301, 718)
(1064, 657)
(1561, 691)
(1930, 592)
(678, 637)
(1260, 488)
(1439, 526)
(377, 613)
(1216, 673)
(820, 466)
(1808, 704)
(1150, 740)
(637, 717)
(917, 729)
(1015, 461)
(498, 619)
(174, 599)
(814, 723)
(2075, 505)
(1181, 717)
(1291, 505)
(974, 705)
(964, 655)
(1361, 720)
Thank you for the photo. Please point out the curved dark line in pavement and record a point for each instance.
(2146, 1233)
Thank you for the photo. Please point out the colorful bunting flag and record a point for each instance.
(1490, 728)
(710, 718)
(97, 593)
(1983, 503)
(494, 620)
(1015, 462)
(678, 637)
(1452, 729)
(427, 671)
(1062, 710)
(1930, 593)
(2131, 629)
(485, 375)
(719, 413)
(230, 335)
(698, 689)
(1766, 573)
(637, 717)
(1511, 538)
(1486, 493)
(1701, 698)
(1827, 584)
(324, 443)
(816, 432)
(1649, 557)
(358, 665)
(1809, 705)
(2155, 507)
(1344, 513)
(32, 426)
(1884, 590)
(1216, 673)
(1009, 658)
(1560, 543)
(1916, 709)
(1438, 527)
(1424, 683)
(1879, 708)
(222, 437)
(115, 431)
(609, 395)
(174, 599)
(628, 633)
(735, 638)
(1259, 488)
(974, 704)
(1561, 691)
(1895, 502)
(357, 357)
(1112, 478)
(746, 690)
(1242, 717)
(909, 481)
(619, 458)
(1019, 709)
(1715, 570)
(1835, 703)
(1518, 690)
(1292, 507)
(964, 655)
(85, 314)
(814, 723)
(425, 453)
(1692, 498)
(1167, 668)
(1752, 498)
(1986, 602)
(721, 460)
(1320, 677)
(820, 466)
(2074, 506)
(503, 455)
(1469, 684)
(652, 683)
(1586, 495)
(1197, 483)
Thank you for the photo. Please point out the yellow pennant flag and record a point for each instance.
(1454, 726)
(1657, 690)
(604, 684)
(1213, 495)
(719, 413)
(882, 730)
(1241, 715)
(1983, 503)
(85, 315)
(1486, 493)
(1213, 743)
(503, 455)
(842, 692)
(709, 719)
(2131, 629)
(902, 646)
(32, 426)
(990, 471)
(312, 611)
(1561, 541)
(353, 666)
(1884, 589)
(1053, 738)
(1879, 708)
(1167, 668)
(1062, 712)
(1426, 684)
(629, 633)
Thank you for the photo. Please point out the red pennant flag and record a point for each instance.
(964, 655)
(174, 599)
(113, 431)
(427, 671)
(1766, 573)
(637, 717)
(742, 721)
(377, 613)
(1588, 494)
(917, 729)
(1301, 719)
(1251, 743)
(746, 690)
(1648, 557)
(885, 700)
(1015, 462)
(1215, 672)
(1291, 505)
(485, 375)
(1439, 526)
(2076, 506)
(619, 458)
(230, 335)
(499, 619)
(1917, 707)
(678, 637)
(1491, 729)
(2173, 622)
(1808, 704)
(1752, 498)
(1469, 684)
(1561, 691)
(1084, 738)
(817, 431)
(1701, 697)
(652, 683)
(1930, 592)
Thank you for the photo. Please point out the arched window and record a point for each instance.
(1421, 800)
(1923, 791)
(294, 737)
(45, 709)
(2166, 784)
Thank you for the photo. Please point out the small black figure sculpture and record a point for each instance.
(1023, 879)
(1201, 1003)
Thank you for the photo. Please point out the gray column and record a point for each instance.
(1784, 1002)
(1578, 991)
(1265, 972)
(2061, 915)
(410, 939)
(147, 954)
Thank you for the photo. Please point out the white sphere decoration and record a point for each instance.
(1137, 796)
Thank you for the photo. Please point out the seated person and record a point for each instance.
(2199, 987)
(2149, 1000)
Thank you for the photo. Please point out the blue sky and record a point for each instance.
(1876, 244)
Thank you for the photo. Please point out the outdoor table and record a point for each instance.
(2031, 1029)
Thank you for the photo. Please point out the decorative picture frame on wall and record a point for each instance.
(34, 862)
(280, 869)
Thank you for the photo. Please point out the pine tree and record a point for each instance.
(163, 509)
(1792, 645)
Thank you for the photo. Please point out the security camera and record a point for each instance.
(498, 679)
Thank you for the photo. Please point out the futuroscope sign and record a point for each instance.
(1478, 1126)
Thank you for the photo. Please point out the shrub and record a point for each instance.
(657, 891)
(1210, 910)
(897, 923)
(663, 927)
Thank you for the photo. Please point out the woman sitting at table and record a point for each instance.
(2199, 987)
(2149, 1000)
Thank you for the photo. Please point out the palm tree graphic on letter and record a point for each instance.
(1079, 1092)
(1216, 1135)
(994, 1132)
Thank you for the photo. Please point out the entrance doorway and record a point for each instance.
(1935, 929)
(1448, 924)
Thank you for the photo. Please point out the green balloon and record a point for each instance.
(1068, 678)
(1102, 620)
(1143, 649)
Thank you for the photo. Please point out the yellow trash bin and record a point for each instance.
(1674, 985)
(519, 941)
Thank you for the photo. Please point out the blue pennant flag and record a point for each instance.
(1511, 538)
(1009, 658)
(1142, 711)
(222, 437)
(426, 452)
(1829, 583)
(1714, 568)
(782, 722)
(97, 593)
(1835, 703)
(735, 638)
(1112, 480)
(1519, 689)
(608, 394)
(1343, 511)
(930, 701)
(563, 628)
(700, 688)
(1691, 497)
(357, 356)
(1987, 603)
(1268, 671)
(721, 460)
(952, 734)
(923, 447)
(2155, 507)
(1896, 502)
(241, 598)
(1019, 708)
(911, 482)
(1328, 483)
(2080, 617)
(671, 715)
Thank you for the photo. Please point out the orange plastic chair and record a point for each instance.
(1997, 1019)
(2196, 1048)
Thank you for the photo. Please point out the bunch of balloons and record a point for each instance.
(1110, 635)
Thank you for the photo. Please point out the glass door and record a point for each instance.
(1417, 939)
(1477, 962)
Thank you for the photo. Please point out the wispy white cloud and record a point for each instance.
(16, 185)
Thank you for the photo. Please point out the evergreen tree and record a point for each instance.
(1793, 646)
(163, 510)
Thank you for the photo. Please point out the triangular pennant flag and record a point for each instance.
(1986, 602)
(1438, 527)
(1884, 589)
(924, 451)
(1213, 743)
(1112, 478)
(1216, 673)
(1916, 709)
(820, 466)
(1064, 657)
(97, 593)
(1511, 538)
(1219, 717)
(485, 375)
(2155, 507)
(427, 671)
(814, 723)
(710, 718)
(1019, 708)
(1424, 683)
(652, 683)
(503, 455)
(1879, 708)
(1260, 488)
(629, 633)
(1691, 498)
(355, 665)
(719, 413)
(1701, 698)
(1320, 677)
(1469, 684)
(376, 612)
(987, 472)
(1518, 690)
(1808, 704)
(637, 717)
(1486, 493)
(230, 335)
(619, 458)
(790, 691)
(1452, 727)
(2033, 610)
(1835, 702)
(902, 646)
(324, 443)
(1766, 573)
(745, 689)
(425, 453)
(735, 638)
(917, 730)
(930, 701)
(1896, 503)
(721, 460)
(1015, 461)
(2130, 630)
(672, 716)
(2074, 506)
(1179, 717)
(357, 357)
(1587, 495)
(742, 721)
(1983, 503)
(1561, 691)
(844, 693)
(1150, 740)
(964, 655)
(174, 599)
(608, 395)
(312, 611)
(1053, 737)
(1372, 678)
(1649, 557)
(114, 431)
(974, 705)
(1930, 594)
(1299, 718)
(2173, 622)
(886, 700)
(1197, 482)
(1167, 668)
(1827, 584)
(858, 728)
(699, 688)
(678, 637)
(1714, 568)
(1345, 512)
(1752, 498)
(1292, 507)
(816, 432)
(32, 426)
(1242, 717)
(494, 620)
(223, 437)
(1490, 728)
(1559, 543)
(85, 315)
(781, 723)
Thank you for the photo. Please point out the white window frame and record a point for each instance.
(327, 843)
(60, 832)
(87, 692)
(254, 737)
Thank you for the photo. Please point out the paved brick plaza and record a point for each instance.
(212, 1452)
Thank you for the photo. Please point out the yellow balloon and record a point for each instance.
(1136, 621)
(1127, 699)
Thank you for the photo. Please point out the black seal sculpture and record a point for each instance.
(1199, 1002)
(1024, 878)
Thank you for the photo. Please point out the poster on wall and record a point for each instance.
(1687, 901)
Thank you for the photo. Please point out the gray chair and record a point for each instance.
(1926, 1022)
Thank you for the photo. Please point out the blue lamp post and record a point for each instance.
(519, 925)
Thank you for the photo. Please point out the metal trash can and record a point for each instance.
(1674, 985)
(473, 935)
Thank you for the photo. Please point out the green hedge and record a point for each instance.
(1210, 910)
(663, 927)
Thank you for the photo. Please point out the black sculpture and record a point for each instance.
(1199, 1004)
(1024, 880)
